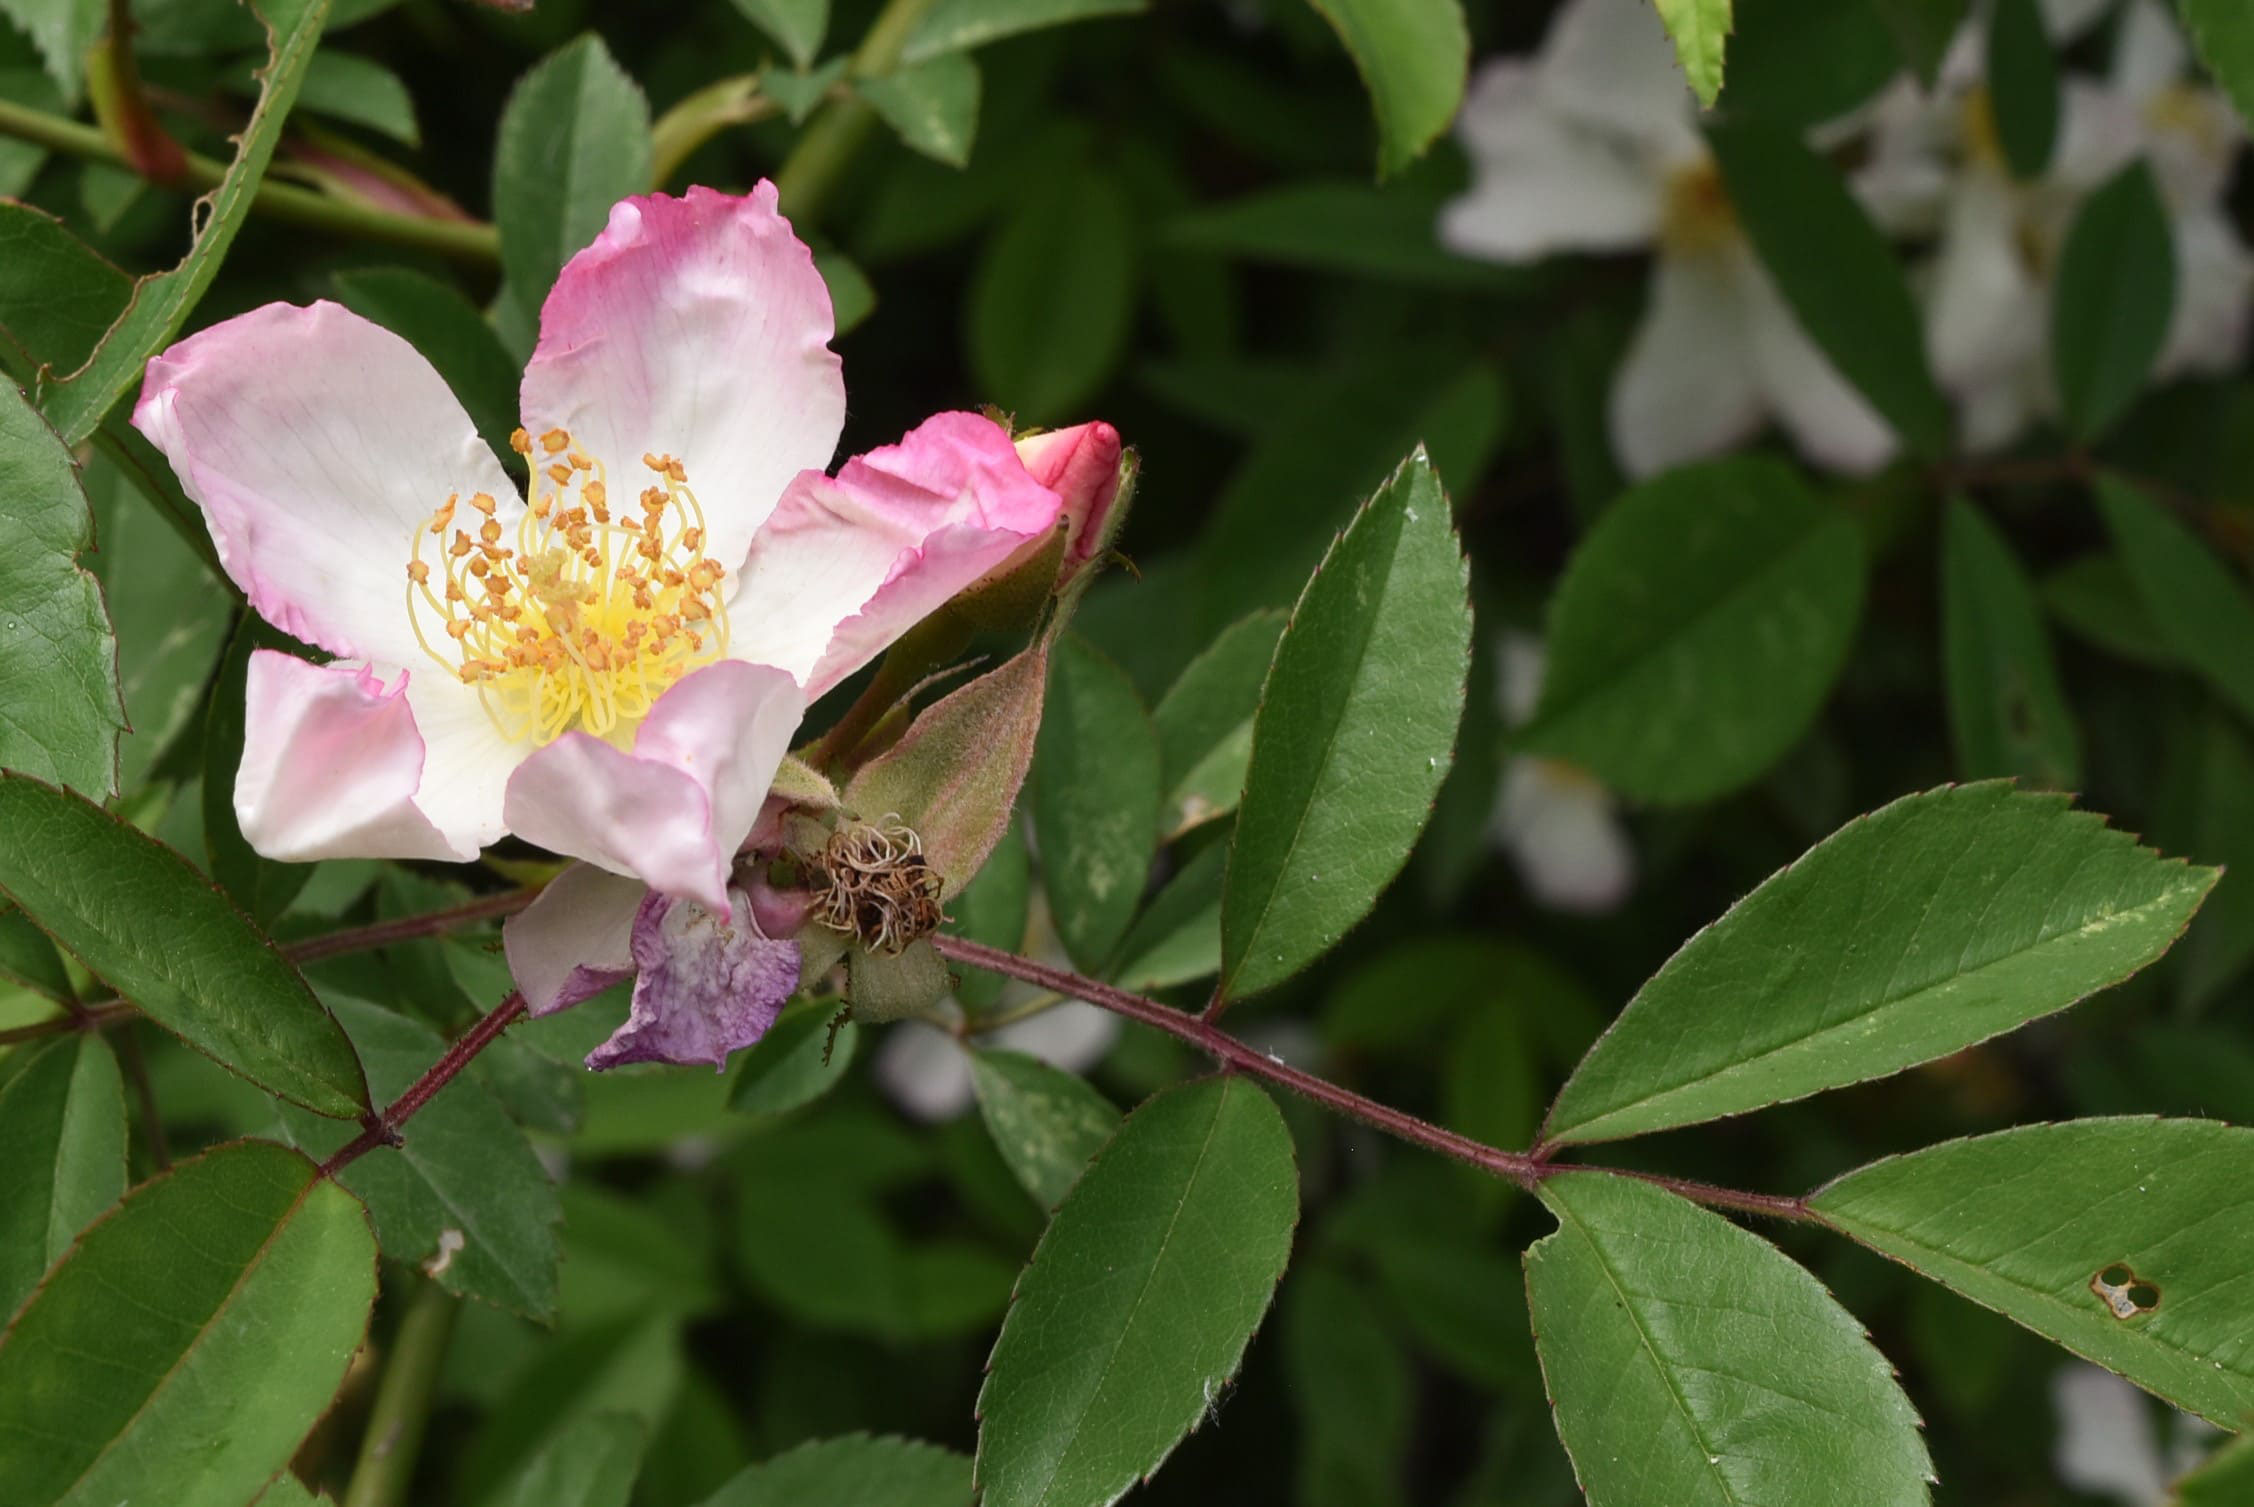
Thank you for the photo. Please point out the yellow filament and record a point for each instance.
(589, 616)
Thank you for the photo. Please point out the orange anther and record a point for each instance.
(483, 502)
(462, 545)
(595, 493)
(490, 532)
(417, 572)
(559, 473)
(555, 441)
(519, 441)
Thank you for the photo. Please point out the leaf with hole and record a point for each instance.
(1140, 1299)
(2122, 1239)
(1697, 631)
(1933, 923)
(254, 1277)
(1693, 1363)
(208, 975)
(1356, 727)
(62, 1156)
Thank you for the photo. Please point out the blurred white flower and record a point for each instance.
(926, 1071)
(1556, 822)
(2107, 1445)
(1936, 166)
(1592, 145)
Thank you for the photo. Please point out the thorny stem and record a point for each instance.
(464, 240)
(382, 1128)
(109, 1012)
(410, 1379)
(1523, 1168)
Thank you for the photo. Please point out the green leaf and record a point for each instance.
(206, 974)
(64, 31)
(2023, 91)
(2200, 605)
(1414, 57)
(1931, 924)
(258, 884)
(593, 1464)
(2007, 710)
(2223, 31)
(1140, 1298)
(163, 300)
(60, 706)
(796, 26)
(1804, 65)
(852, 298)
(62, 1156)
(1837, 272)
(1178, 937)
(1351, 1385)
(2115, 295)
(2038, 1222)
(992, 909)
(1923, 30)
(1699, 27)
(1046, 1122)
(1095, 799)
(1697, 631)
(2226, 1480)
(347, 88)
(28, 959)
(933, 106)
(632, 1366)
(1356, 727)
(1693, 1363)
(856, 1470)
(2094, 598)
(1053, 296)
(461, 1196)
(447, 329)
(574, 140)
(804, 1055)
(171, 616)
(1205, 723)
(1348, 228)
(252, 1278)
(960, 25)
(57, 294)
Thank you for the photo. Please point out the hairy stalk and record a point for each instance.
(382, 1128)
(463, 240)
(1517, 1166)
(834, 136)
(103, 1014)
(403, 1399)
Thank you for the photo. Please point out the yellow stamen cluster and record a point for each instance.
(587, 615)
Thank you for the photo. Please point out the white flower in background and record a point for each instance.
(1593, 145)
(926, 1071)
(2107, 1445)
(1936, 166)
(1555, 821)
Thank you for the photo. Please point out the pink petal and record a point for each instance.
(847, 565)
(334, 766)
(316, 444)
(1080, 465)
(707, 983)
(674, 811)
(575, 940)
(698, 328)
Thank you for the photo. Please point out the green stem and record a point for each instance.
(463, 240)
(702, 116)
(410, 1379)
(811, 172)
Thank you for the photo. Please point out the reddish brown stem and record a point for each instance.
(1519, 1167)
(103, 1014)
(382, 1128)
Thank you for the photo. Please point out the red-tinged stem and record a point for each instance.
(103, 1014)
(1199, 1031)
(382, 1128)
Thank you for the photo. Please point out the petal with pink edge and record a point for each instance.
(316, 443)
(1080, 465)
(333, 763)
(698, 328)
(847, 565)
(706, 983)
(575, 939)
(674, 811)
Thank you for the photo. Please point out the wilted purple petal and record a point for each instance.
(707, 984)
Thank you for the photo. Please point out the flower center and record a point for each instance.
(587, 617)
(1695, 211)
